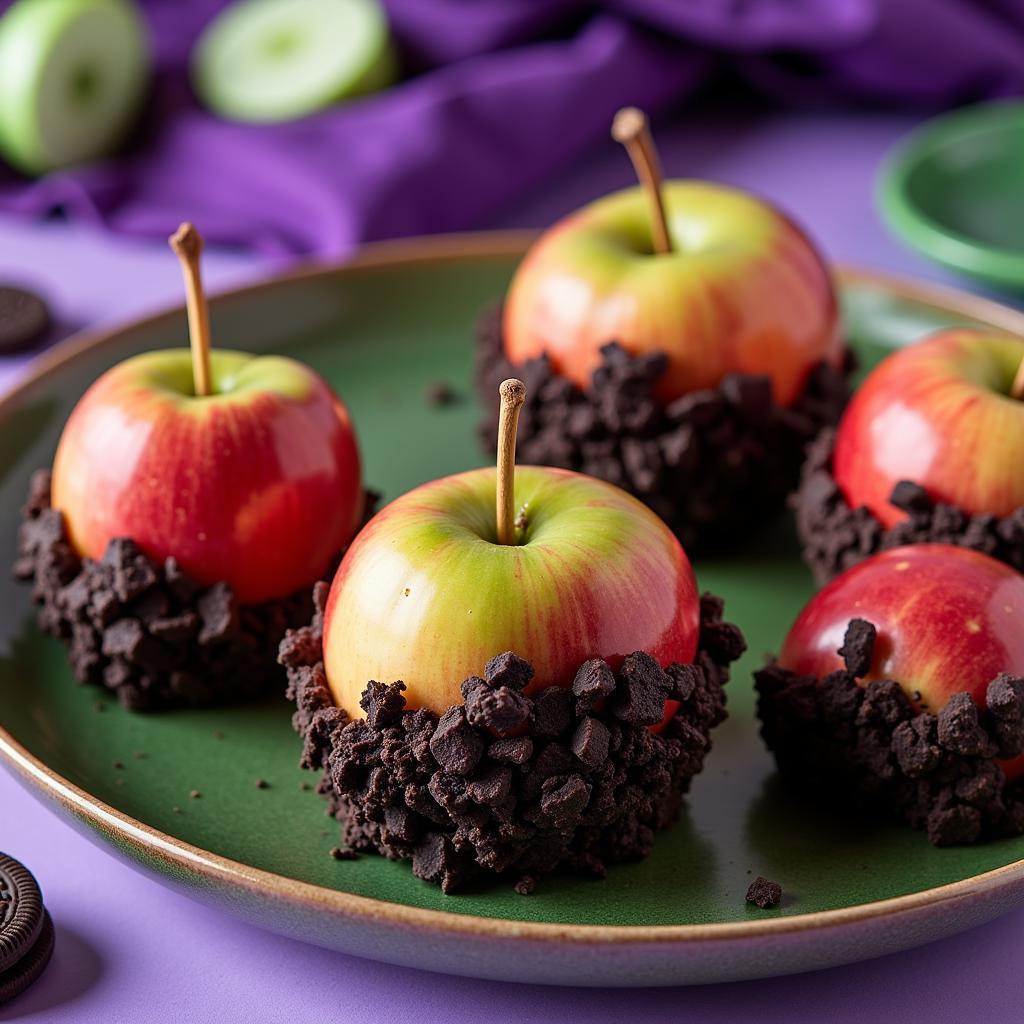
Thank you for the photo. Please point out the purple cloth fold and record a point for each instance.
(498, 94)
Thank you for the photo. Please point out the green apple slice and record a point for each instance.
(274, 60)
(73, 74)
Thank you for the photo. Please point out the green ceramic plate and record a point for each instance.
(954, 189)
(381, 329)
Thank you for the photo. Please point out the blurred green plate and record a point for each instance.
(954, 190)
(381, 329)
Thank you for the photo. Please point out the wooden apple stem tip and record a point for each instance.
(513, 394)
(630, 128)
(1017, 388)
(188, 244)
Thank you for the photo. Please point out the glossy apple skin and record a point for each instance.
(744, 291)
(938, 413)
(426, 595)
(948, 619)
(258, 484)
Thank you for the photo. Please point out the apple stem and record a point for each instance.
(513, 394)
(188, 244)
(630, 128)
(1017, 388)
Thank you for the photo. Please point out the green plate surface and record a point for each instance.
(954, 189)
(381, 330)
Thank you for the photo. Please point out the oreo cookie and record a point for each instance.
(24, 319)
(26, 931)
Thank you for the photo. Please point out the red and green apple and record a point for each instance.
(257, 484)
(948, 619)
(426, 593)
(743, 290)
(939, 413)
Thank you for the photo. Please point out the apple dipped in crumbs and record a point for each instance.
(196, 496)
(930, 449)
(681, 339)
(511, 675)
(900, 688)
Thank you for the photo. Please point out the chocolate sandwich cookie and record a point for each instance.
(24, 319)
(26, 931)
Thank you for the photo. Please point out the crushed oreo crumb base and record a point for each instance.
(147, 631)
(836, 536)
(705, 463)
(937, 772)
(509, 784)
(764, 893)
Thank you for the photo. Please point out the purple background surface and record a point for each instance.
(129, 950)
(497, 96)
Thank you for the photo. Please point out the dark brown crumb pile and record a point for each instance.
(509, 784)
(764, 893)
(938, 772)
(705, 463)
(440, 394)
(147, 631)
(836, 536)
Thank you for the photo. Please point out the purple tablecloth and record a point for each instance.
(498, 95)
(130, 951)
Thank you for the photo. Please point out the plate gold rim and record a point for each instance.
(188, 858)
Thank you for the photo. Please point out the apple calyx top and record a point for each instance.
(187, 244)
(630, 128)
(512, 393)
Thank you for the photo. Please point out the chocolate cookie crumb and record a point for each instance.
(526, 885)
(344, 853)
(441, 394)
(145, 631)
(764, 893)
(194, 794)
(262, 784)
(858, 646)
(836, 536)
(707, 463)
(936, 772)
(584, 785)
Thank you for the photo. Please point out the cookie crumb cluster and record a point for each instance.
(836, 536)
(510, 783)
(145, 630)
(705, 463)
(939, 772)
(764, 893)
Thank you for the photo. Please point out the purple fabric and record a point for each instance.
(498, 95)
